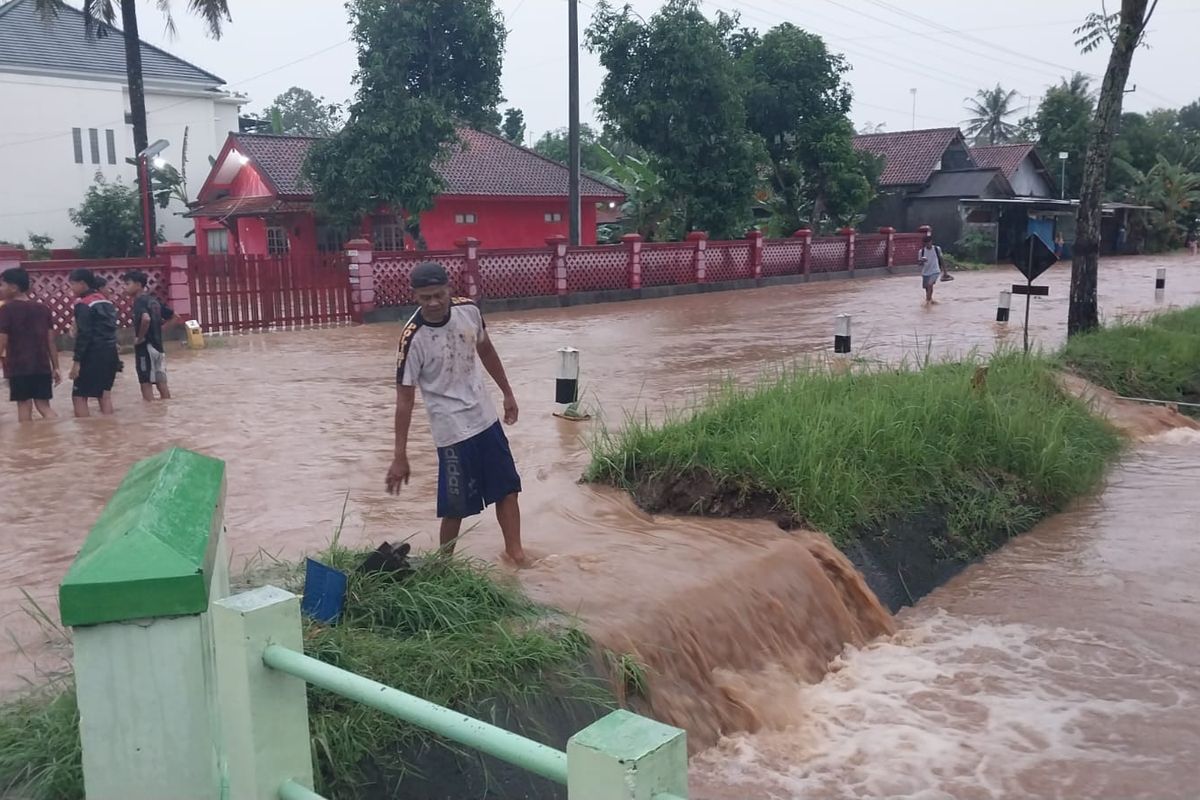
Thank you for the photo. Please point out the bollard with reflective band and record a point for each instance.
(841, 333)
(1002, 308)
(566, 383)
(1160, 278)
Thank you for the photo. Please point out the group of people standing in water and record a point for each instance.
(29, 345)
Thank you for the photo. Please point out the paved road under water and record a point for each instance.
(1079, 620)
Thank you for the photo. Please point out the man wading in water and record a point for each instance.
(441, 350)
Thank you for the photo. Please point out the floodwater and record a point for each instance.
(1048, 651)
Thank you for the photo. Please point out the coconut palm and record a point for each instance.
(102, 14)
(990, 110)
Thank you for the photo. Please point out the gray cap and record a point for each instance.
(428, 273)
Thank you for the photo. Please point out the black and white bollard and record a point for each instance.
(1160, 278)
(841, 333)
(566, 385)
(1003, 307)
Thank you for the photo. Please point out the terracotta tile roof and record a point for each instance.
(1005, 157)
(910, 157)
(230, 207)
(483, 165)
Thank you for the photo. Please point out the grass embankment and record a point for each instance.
(1157, 358)
(870, 454)
(452, 632)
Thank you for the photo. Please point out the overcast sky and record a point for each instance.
(894, 46)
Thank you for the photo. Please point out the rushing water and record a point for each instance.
(737, 620)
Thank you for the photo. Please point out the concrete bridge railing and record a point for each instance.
(187, 692)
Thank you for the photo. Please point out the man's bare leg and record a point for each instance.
(106, 404)
(43, 408)
(508, 513)
(25, 411)
(164, 392)
(81, 406)
(147, 391)
(448, 535)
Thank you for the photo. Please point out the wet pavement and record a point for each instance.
(304, 420)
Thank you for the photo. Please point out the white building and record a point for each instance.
(64, 117)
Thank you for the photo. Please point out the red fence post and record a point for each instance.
(360, 254)
(633, 246)
(890, 233)
(805, 237)
(701, 243)
(848, 232)
(472, 279)
(175, 276)
(558, 262)
(755, 240)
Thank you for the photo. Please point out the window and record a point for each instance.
(77, 140)
(111, 142)
(331, 238)
(387, 234)
(277, 240)
(465, 219)
(94, 141)
(218, 242)
(553, 216)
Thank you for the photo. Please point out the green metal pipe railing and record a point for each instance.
(504, 745)
(294, 791)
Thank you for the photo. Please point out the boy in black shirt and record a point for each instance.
(148, 315)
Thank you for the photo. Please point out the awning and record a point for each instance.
(1048, 203)
(228, 207)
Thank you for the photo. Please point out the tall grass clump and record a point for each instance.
(849, 452)
(1156, 358)
(40, 757)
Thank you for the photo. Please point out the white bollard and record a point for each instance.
(841, 333)
(1003, 307)
(566, 383)
(1160, 278)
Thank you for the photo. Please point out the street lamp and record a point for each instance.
(1062, 184)
(143, 161)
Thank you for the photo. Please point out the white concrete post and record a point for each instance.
(841, 333)
(626, 757)
(1003, 306)
(1160, 278)
(263, 713)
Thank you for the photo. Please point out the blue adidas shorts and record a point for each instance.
(475, 474)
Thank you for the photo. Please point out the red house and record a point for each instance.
(256, 201)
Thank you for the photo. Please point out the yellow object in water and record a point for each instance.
(195, 336)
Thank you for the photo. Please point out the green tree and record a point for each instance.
(647, 209)
(1173, 190)
(39, 246)
(1125, 30)
(102, 14)
(424, 67)
(673, 88)
(1064, 121)
(797, 102)
(990, 110)
(111, 219)
(513, 127)
(301, 113)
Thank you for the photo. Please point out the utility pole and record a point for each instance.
(573, 209)
(913, 92)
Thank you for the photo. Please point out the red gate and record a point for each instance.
(238, 293)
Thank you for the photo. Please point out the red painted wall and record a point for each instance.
(517, 222)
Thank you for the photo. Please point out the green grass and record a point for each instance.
(846, 452)
(1156, 358)
(454, 632)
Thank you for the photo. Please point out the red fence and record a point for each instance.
(392, 268)
(48, 284)
(237, 293)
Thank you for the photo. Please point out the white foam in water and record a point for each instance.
(963, 708)
(1179, 436)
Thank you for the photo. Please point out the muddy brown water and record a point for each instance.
(1064, 664)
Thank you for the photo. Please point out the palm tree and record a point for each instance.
(102, 14)
(989, 110)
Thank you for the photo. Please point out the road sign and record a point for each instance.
(1033, 256)
(1030, 289)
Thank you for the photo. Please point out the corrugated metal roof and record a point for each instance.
(910, 157)
(486, 165)
(29, 43)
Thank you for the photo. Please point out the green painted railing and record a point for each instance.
(504, 745)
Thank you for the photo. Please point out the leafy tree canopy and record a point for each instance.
(424, 67)
(990, 110)
(513, 126)
(300, 112)
(111, 219)
(1064, 121)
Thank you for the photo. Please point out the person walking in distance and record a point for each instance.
(441, 351)
(28, 350)
(148, 350)
(930, 259)
(96, 362)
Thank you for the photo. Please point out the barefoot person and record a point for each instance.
(930, 259)
(96, 362)
(441, 351)
(148, 351)
(27, 347)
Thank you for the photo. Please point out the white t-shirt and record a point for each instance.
(933, 264)
(442, 361)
